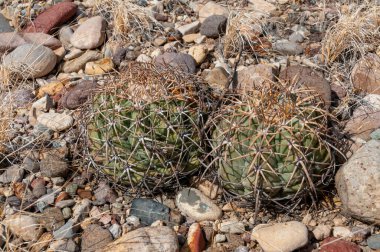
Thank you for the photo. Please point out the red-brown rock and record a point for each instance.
(366, 74)
(332, 244)
(195, 239)
(52, 18)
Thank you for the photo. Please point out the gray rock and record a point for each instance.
(214, 26)
(149, 211)
(158, 239)
(197, 206)
(53, 166)
(189, 28)
(373, 241)
(284, 237)
(297, 37)
(242, 249)
(90, 34)
(212, 8)
(65, 203)
(95, 237)
(64, 35)
(180, 61)
(219, 238)
(30, 61)
(67, 213)
(81, 210)
(14, 173)
(232, 227)
(79, 63)
(104, 193)
(66, 231)
(287, 47)
(4, 24)
(115, 230)
(360, 194)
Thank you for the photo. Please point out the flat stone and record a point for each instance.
(30, 61)
(76, 96)
(79, 63)
(373, 241)
(233, 227)
(66, 231)
(332, 244)
(159, 239)
(365, 119)
(51, 18)
(24, 226)
(197, 206)
(360, 194)
(180, 61)
(53, 166)
(14, 173)
(105, 194)
(212, 8)
(366, 74)
(4, 25)
(90, 34)
(95, 237)
(214, 26)
(189, 28)
(99, 67)
(149, 211)
(284, 237)
(190, 38)
(286, 47)
(56, 121)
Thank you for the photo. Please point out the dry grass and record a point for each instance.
(130, 22)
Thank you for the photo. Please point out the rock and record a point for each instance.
(66, 231)
(14, 173)
(42, 39)
(359, 194)
(321, 232)
(375, 135)
(286, 47)
(60, 53)
(39, 188)
(53, 17)
(4, 25)
(65, 203)
(52, 218)
(24, 226)
(297, 37)
(10, 41)
(63, 245)
(195, 238)
(199, 53)
(54, 166)
(158, 239)
(77, 95)
(189, 28)
(74, 53)
(95, 237)
(149, 211)
(233, 227)
(51, 89)
(309, 79)
(115, 230)
(104, 193)
(64, 35)
(373, 241)
(253, 77)
(79, 63)
(99, 67)
(81, 210)
(344, 232)
(90, 34)
(211, 8)
(261, 8)
(30, 61)
(366, 74)
(180, 61)
(210, 189)
(332, 244)
(242, 249)
(144, 58)
(218, 78)
(365, 119)
(189, 38)
(284, 237)
(219, 238)
(159, 41)
(214, 26)
(197, 206)
(56, 121)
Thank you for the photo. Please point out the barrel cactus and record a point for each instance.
(145, 129)
(272, 145)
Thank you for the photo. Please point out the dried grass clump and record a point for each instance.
(130, 21)
(243, 32)
(355, 34)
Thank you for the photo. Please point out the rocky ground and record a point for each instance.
(52, 200)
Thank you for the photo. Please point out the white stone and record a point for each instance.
(55, 121)
(219, 238)
(144, 58)
(90, 34)
(189, 28)
(344, 232)
(284, 237)
(212, 8)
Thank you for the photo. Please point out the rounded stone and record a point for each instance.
(90, 34)
(180, 61)
(30, 61)
(214, 26)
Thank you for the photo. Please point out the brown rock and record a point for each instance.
(195, 239)
(11, 40)
(253, 77)
(332, 244)
(51, 89)
(78, 95)
(52, 218)
(158, 239)
(310, 79)
(366, 74)
(62, 196)
(84, 194)
(52, 18)
(42, 243)
(95, 237)
(217, 78)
